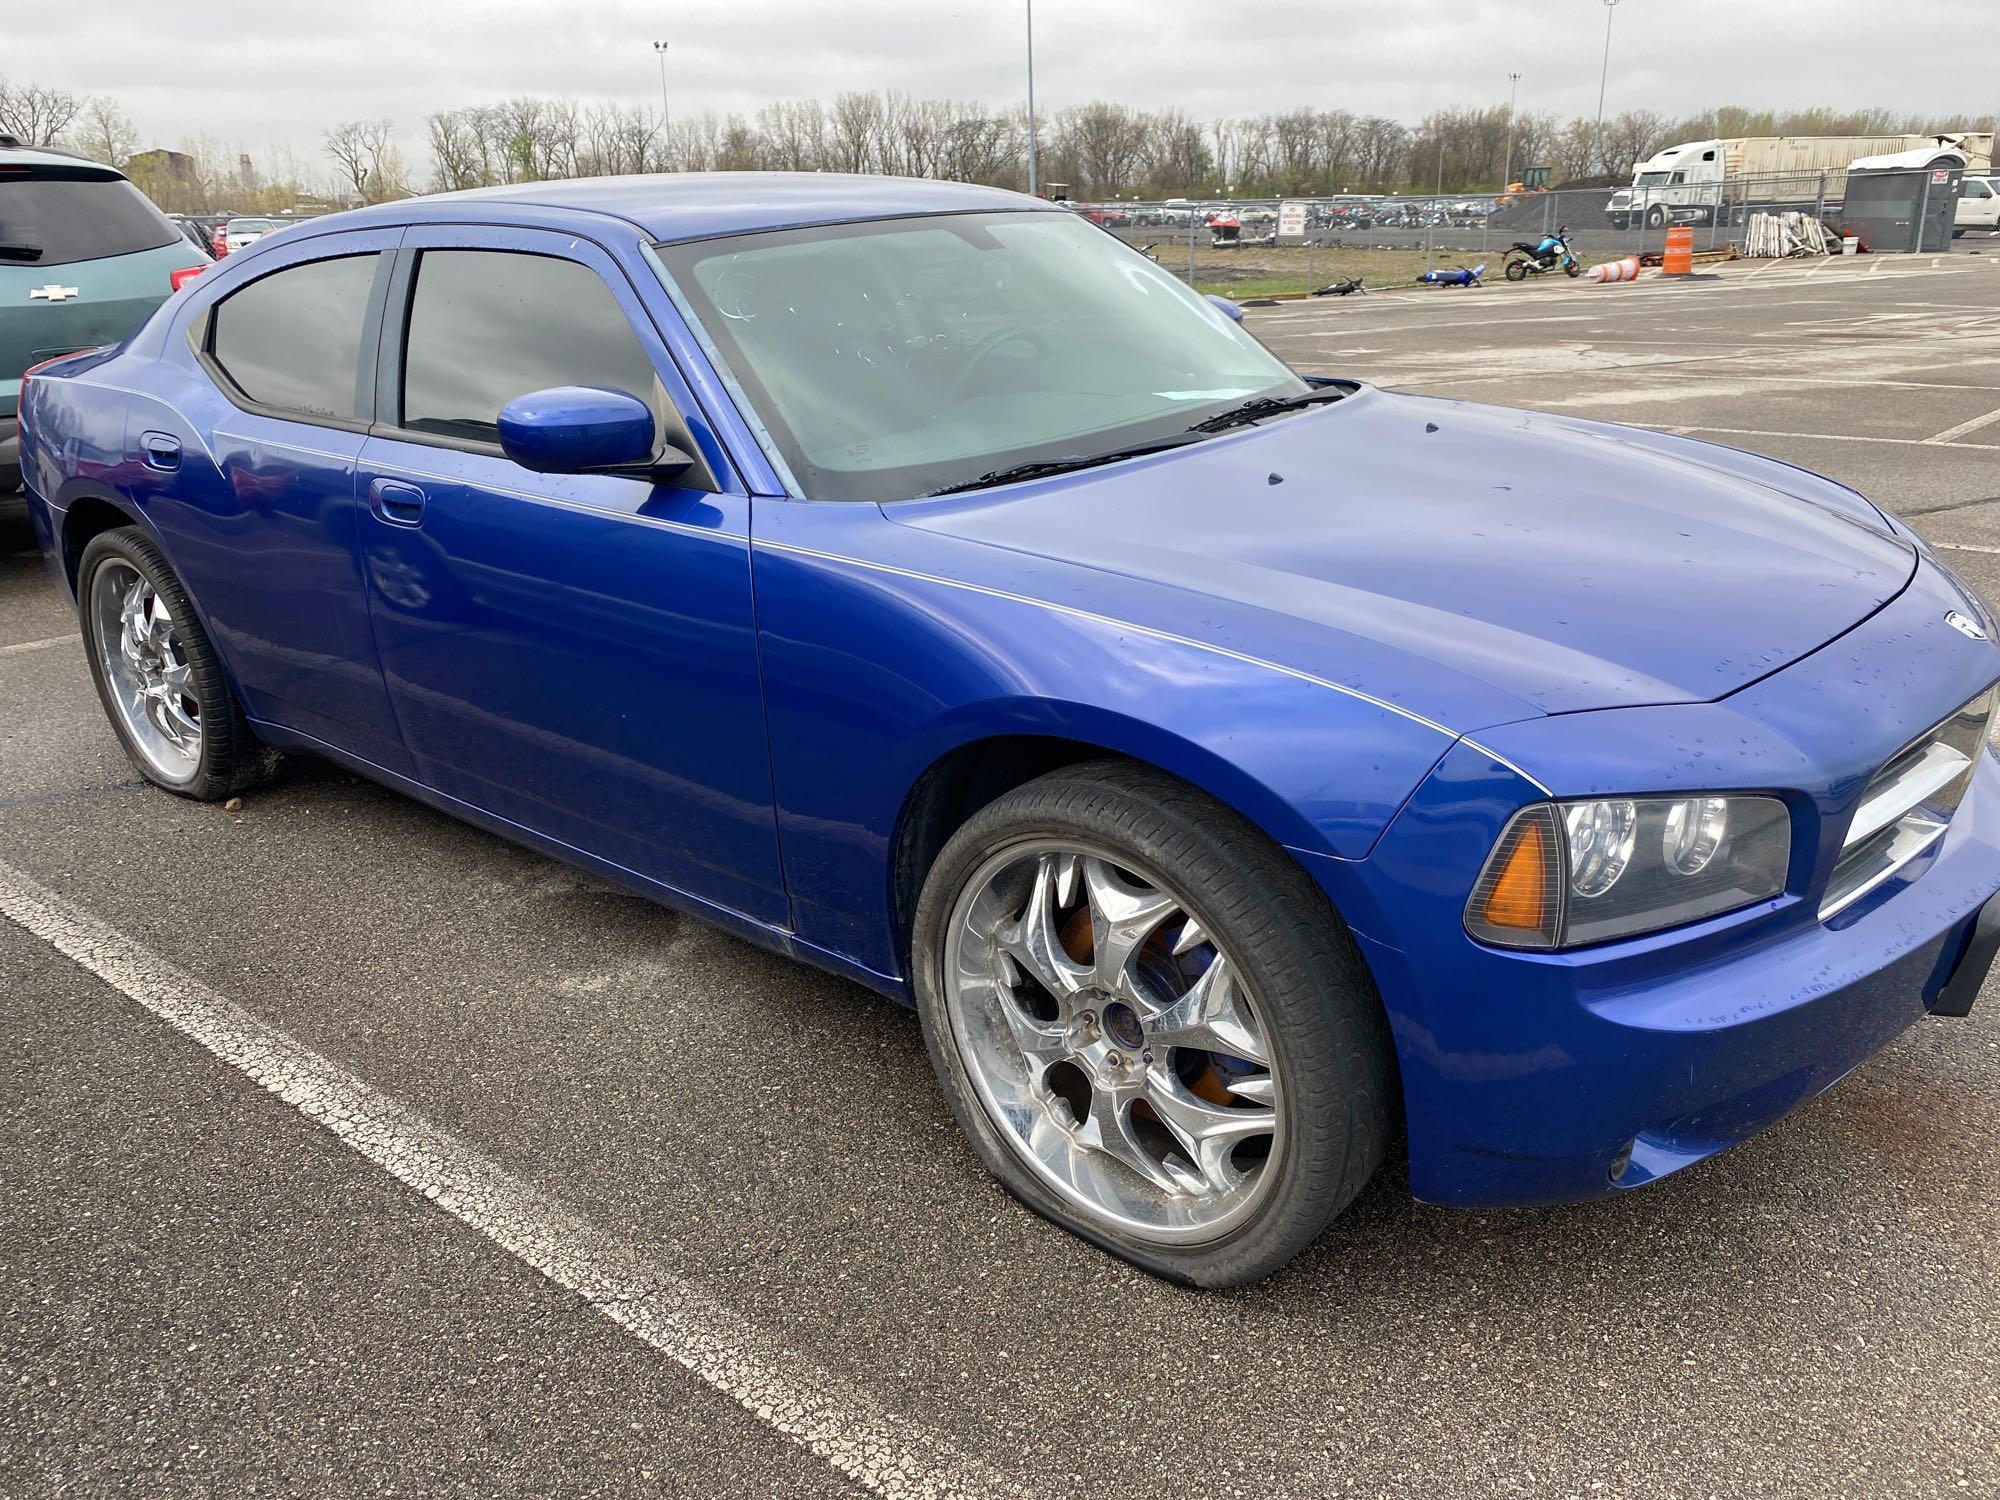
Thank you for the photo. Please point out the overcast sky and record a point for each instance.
(251, 75)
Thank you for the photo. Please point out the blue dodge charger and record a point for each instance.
(1239, 772)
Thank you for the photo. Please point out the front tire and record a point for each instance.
(158, 675)
(1150, 1024)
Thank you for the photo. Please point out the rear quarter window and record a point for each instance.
(292, 340)
(53, 216)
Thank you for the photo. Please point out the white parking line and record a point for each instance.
(1824, 437)
(884, 1453)
(1963, 428)
(22, 648)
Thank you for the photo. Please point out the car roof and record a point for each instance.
(672, 206)
(49, 156)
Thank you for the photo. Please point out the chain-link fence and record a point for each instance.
(1274, 245)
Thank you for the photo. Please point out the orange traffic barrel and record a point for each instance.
(1679, 259)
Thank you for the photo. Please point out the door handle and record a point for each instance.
(395, 502)
(162, 450)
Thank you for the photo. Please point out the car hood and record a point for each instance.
(1569, 564)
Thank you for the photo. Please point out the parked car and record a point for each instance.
(195, 233)
(241, 232)
(1238, 771)
(84, 257)
(1978, 206)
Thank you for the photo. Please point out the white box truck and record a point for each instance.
(1700, 182)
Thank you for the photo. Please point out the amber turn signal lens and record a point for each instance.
(1518, 900)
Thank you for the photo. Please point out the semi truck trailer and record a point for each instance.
(1704, 182)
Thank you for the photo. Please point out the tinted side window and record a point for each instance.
(293, 339)
(52, 216)
(489, 325)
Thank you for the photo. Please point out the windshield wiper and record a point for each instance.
(1259, 407)
(1036, 468)
(20, 252)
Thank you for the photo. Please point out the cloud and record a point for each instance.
(271, 74)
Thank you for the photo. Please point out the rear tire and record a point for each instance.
(158, 675)
(1080, 1095)
(1517, 270)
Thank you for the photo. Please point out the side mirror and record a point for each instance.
(1229, 309)
(585, 429)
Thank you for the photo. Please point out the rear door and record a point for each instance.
(245, 442)
(576, 654)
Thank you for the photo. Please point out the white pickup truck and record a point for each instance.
(1703, 182)
(1978, 206)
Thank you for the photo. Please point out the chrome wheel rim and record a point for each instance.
(146, 671)
(1113, 1043)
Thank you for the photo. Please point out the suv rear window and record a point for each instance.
(51, 216)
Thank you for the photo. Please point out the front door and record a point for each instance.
(576, 654)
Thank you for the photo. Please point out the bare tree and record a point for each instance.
(1634, 136)
(105, 133)
(1383, 153)
(34, 115)
(983, 147)
(1108, 142)
(368, 161)
(854, 134)
(458, 160)
(1176, 154)
(1100, 149)
(795, 134)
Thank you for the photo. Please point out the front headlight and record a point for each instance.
(1568, 873)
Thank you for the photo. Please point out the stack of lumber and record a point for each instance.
(1777, 236)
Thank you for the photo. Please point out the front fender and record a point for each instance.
(874, 670)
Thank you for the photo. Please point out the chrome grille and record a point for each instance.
(1909, 804)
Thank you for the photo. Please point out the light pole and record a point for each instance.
(660, 51)
(1513, 92)
(1031, 97)
(1610, 10)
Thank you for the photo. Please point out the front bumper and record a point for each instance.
(1558, 1077)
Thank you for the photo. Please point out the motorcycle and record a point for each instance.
(1552, 254)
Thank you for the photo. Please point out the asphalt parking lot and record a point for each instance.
(459, 1172)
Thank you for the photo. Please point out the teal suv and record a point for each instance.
(84, 259)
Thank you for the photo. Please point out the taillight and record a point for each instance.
(183, 276)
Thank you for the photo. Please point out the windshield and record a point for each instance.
(894, 358)
(53, 216)
(251, 226)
